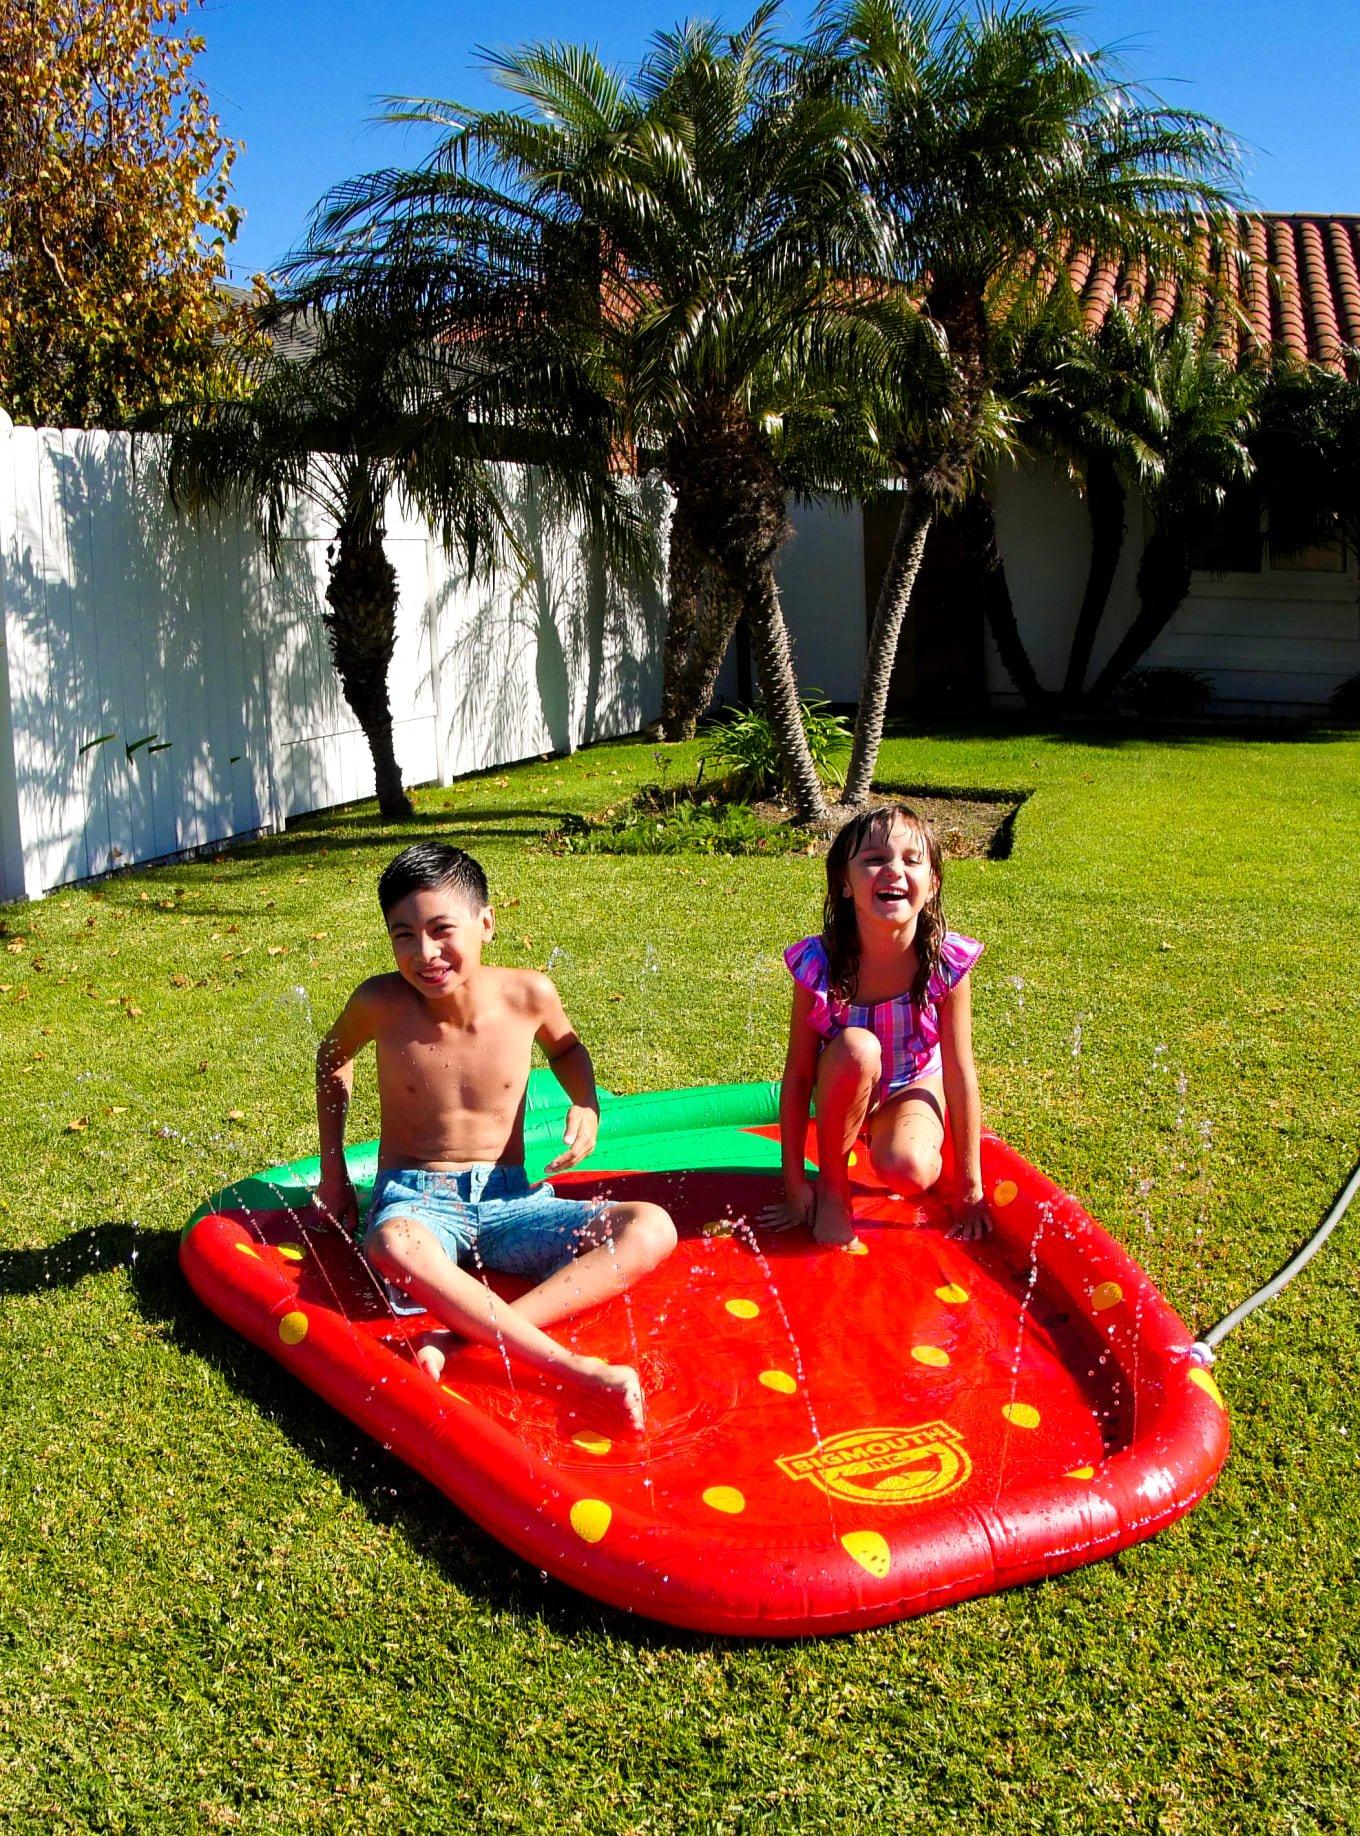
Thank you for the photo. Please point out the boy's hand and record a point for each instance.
(974, 1219)
(796, 1208)
(579, 1136)
(337, 1200)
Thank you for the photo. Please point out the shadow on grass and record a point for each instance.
(389, 1492)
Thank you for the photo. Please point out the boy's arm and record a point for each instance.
(964, 1106)
(571, 1066)
(335, 1056)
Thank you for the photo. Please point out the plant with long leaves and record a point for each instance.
(714, 208)
(373, 406)
(1001, 145)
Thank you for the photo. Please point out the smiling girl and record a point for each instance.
(881, 1031)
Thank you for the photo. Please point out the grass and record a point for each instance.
(221, 1609)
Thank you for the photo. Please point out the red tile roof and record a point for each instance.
(1298, 287)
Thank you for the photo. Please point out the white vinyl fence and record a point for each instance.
(162, 688)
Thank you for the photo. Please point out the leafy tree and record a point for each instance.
(1001, 146)
(1306, 444)
(720, 195)
(113, 211)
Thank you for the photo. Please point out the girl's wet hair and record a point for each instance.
(840, 932)
(428, 865)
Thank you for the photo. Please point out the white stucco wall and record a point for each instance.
(1277, 642)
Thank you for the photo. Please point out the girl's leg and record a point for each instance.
(848, 1073)
(626, 1241)
(411, 1257)
(906, 1138)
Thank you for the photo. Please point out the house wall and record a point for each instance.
(162, 688)
(1277, 642)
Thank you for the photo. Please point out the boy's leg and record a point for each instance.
(848, 1074)
(906, 1138)
(625, 1241)
(409, 1255)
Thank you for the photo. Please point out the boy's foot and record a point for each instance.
(432, 1349)
(618, 1384)
(833, 1222)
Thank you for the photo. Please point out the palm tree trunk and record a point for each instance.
(894, 597)
(737, 505)
(684, 574)
(1163, 582)
(361, 628)
(998, 608)
(779, 692)
(1105, 507)
(719, 613)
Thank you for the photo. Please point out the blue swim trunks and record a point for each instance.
(487, 1216)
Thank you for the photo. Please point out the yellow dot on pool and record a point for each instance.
(590, 1518)
(1081, 1472)
(293, 1252)
(869, 1549)
(852, 1160)
(591, 1443)
(1004, 1191)
(1206, 1383)
(743, 1309)
(857, 1248)
(1108, 1294)
(952, 1294)
(246, 1250)
(725, 1498)
(449, 1390)
(293, 1328)
(930, 1354)
(779, 1380)
(1021, 1414)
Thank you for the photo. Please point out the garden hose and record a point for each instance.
(1203, 1349)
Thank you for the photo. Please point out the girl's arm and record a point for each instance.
(964, 1106)
(795, 1107)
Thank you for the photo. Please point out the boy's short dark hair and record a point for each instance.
(429, 864)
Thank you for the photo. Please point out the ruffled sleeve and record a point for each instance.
(957, 956)
(807, 965)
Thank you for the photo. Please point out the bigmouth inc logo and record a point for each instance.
(886, 1466)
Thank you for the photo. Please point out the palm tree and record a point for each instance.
(1001, 146)
(720, 196)
(373, 405)
(1209, 411)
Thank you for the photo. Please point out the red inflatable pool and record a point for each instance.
(834, 1439)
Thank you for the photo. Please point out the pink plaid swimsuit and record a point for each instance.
(909, 1036)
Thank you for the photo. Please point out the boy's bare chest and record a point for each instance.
(469, 1067)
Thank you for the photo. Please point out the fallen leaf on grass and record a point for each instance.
(318, 936)
(278, 949)
(133, 1012)
(115, 1109)
(235, 1115)
(179, 980)
(77, 1126)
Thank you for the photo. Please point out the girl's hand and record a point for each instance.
(579, 1137)
(974, 1219)
(795, 1209)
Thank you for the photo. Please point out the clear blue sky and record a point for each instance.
(299, 81)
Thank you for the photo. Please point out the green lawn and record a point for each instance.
(221, 1609)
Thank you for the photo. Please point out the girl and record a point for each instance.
(881, 1031)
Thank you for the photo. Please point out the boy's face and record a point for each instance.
(437, 939)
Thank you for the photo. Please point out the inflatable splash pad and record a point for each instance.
(834, 1439)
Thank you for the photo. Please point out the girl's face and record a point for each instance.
(890, 879)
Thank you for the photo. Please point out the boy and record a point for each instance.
(454, 1037)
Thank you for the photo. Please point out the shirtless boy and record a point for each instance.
(454, 1037)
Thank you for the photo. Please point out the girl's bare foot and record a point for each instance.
(833, 1222)
(431, 1349)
